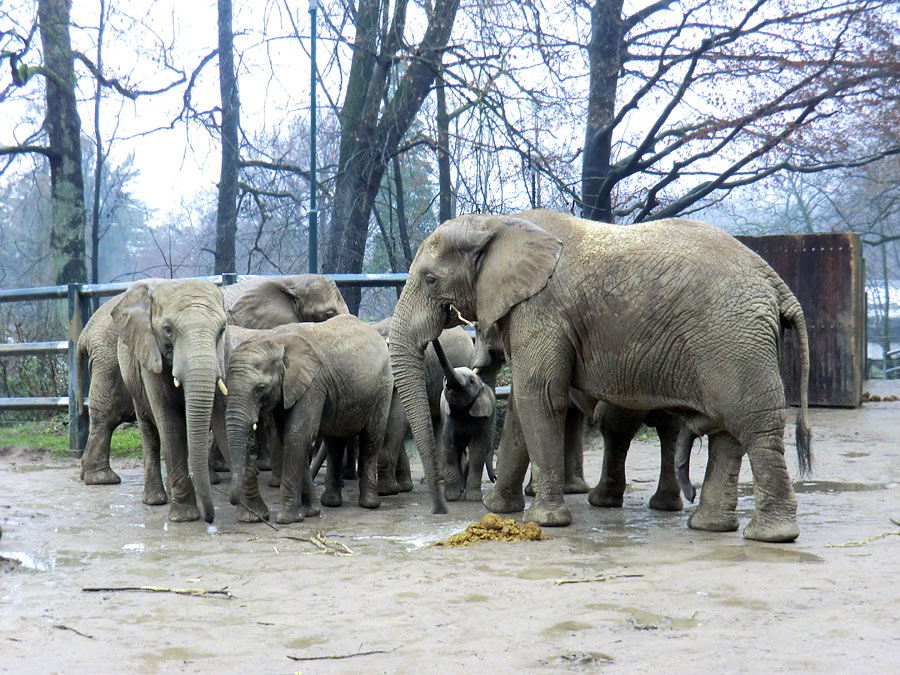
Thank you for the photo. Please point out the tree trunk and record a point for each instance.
(226, 217)
(445, 187)
(605, 52)
(367, 141)
(98, 163)
(402, 226)
(64, 131)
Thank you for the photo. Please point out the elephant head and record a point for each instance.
(464, 392)
(177, 333)
(271, 302)
(265, 369)
(475, 266)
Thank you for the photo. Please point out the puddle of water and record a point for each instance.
(759, 605)
(471, 597)
(854, 454)
(42, 562)
(306, 642)
(644, 620)
(584, 660)
(759, 553)
(563, 627)
(538, 573)
(811, 486)
(28, 468)
(137, 548)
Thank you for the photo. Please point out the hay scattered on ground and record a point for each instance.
(494, 528)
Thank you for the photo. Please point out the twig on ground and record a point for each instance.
(266, 522)
(196, 592)
(339, 656)
(851, 544)
(588, 580)
(77, 632)
(325, 545)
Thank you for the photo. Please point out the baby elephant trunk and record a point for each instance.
(454, 381)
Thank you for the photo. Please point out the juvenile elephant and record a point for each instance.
(267, 302)
(333, 380)
(393, 464)
(674, 314)
(172, 349)
(468, 416)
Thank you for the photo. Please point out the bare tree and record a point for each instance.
(226, 216)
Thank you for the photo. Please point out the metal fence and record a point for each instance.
(79, 298)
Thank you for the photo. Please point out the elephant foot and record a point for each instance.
(405, 483)
(180, 512)
(214, 478)
(473, 495)
(576, 485)
(387, 485)
(548, 515)
(666, 502)
(453, 493)
(286, 516)
(775, 531)
(332, 498)
(311, 510)
(104, 476)
(601, 496)
(154, 495)
(274, 481)
(254, 511)
(264, 463)
(529, 488)
(713, 521)
(499, 501)
(369, 499)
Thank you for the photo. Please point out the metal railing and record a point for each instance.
(79, 298)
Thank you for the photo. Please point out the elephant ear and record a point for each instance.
(132, 318)
(263, 304)
(484, 404)
(514, 264)
(301, 365)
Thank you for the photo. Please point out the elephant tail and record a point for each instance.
(80, 355)
(792, 315)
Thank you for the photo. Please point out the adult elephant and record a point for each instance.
(673, 314)
(172, 349)
(393, 464)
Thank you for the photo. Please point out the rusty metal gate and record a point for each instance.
(826, 273)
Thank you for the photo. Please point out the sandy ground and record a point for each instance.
(686, 601)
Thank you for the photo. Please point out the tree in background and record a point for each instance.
(226, 214)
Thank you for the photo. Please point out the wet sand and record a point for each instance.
(674, 600)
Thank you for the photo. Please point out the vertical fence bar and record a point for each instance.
(79, 311)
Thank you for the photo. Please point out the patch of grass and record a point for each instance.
(52, 435)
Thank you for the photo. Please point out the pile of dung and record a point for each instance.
(875, 397)
(494, 528)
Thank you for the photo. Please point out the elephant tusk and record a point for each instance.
(475, 370)
(177, 383)
(462, 318)
(254, 426)
(222, 387)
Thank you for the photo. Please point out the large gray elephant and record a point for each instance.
(334, 381)
(673, 314)
(393, 464)
(172, 350)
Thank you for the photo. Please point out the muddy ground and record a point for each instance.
(679, 600)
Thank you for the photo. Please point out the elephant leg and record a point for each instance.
(775, 516)
(105, 416)
(512, 464)
(351, 459)
(252, 508)
(154, 491)
(542, 407)
(718, 497)
(296, 481)
(668, 491)
(479, 445)
(403, 472)
(264, 432)
(452, 446)
(574, 453)
(617, 434)
(219, 449)
(173, 438)
(370, 441)
(389, 459)
(334, 448)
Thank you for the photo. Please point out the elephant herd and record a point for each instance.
(672, 323)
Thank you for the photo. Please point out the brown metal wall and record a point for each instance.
(825, 272)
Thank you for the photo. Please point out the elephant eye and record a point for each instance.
(260, 389)
(430, 279)
(167, 329)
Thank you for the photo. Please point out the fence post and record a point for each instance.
(229, 278)
(79, 311)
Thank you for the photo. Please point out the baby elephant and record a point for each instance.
(333, 380)
(468, 410)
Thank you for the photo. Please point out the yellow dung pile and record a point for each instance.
(494, 528)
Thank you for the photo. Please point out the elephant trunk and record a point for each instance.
(407, 344)
(199, 393)
(238, 421)
(454, 381)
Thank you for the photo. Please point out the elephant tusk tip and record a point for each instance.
(177, 383)
(222, 387)
(254, 426)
